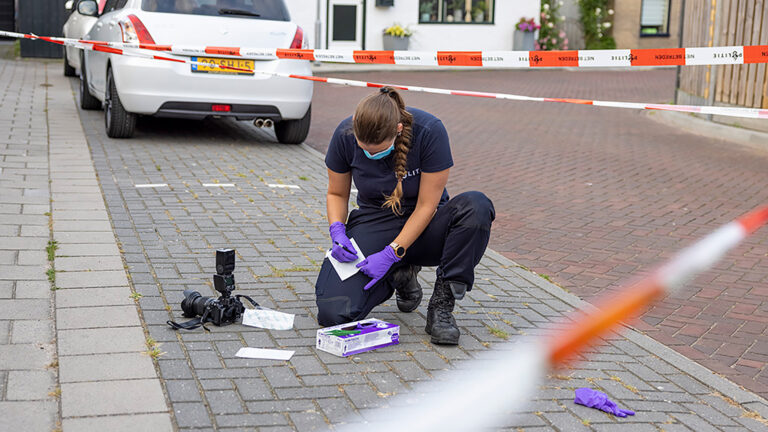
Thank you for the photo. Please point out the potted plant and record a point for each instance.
(458, 10)
(396, 37)
(478, 11)
(426, 11)
(525, 31)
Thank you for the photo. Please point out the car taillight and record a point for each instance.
(298, 38)
(134, 31)
(221, 108)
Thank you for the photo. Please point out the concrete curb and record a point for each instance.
(692, 124)
(695, 370)
(104, 373)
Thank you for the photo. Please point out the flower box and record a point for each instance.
(396, 43)
(524, 41)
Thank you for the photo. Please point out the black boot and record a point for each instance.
(440, 323)
(407, 289)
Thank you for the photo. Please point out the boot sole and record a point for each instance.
(438, 341)
(415, 306)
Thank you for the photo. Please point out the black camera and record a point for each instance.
(225, 310)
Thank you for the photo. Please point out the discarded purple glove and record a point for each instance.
(342, 249)
(595, 399)
(377, 265)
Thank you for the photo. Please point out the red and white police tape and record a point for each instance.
(487, 391)
(727, 55)
(755, 113)
(478, 397)
(723, 111)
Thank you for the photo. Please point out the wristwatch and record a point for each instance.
(399, 250)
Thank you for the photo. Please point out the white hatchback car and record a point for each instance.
(130, 86)
(79, 22)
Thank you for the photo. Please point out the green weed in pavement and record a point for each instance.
(153, 349)
(52, 247)
(51, 273)
(499, 333)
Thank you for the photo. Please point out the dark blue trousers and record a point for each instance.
(454, 241)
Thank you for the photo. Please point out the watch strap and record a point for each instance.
(399, 250)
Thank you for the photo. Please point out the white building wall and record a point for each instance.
(496, 36)
(303, 13)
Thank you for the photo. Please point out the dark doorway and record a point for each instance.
(7, 16)
(44, 18)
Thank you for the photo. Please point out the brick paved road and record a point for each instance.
(167, 236)
(589, 196)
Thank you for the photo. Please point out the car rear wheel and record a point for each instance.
(68, 70)
(119, 122)
(87, 101)
(294, 131)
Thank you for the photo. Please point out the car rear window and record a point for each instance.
(260, 9)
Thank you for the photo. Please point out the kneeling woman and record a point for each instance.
(399, 159)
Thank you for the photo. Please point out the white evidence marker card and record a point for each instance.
(262, 353)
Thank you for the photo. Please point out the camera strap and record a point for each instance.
(191, 324)
(253, 302)
(200, 322)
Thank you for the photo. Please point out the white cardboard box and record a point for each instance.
(368, 335)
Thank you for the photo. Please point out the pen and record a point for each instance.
(343, 247)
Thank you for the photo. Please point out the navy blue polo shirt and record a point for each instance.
(374, 179)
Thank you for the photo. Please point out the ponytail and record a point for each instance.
(375, 120)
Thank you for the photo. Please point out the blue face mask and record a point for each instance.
(381, 154)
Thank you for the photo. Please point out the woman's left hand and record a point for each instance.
(377, 265)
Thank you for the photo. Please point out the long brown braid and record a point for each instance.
(375, 121)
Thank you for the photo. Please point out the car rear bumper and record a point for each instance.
(146, 87)
(201, 110)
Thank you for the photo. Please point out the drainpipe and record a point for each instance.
(717, 9)
(680, 45)
(318, 25)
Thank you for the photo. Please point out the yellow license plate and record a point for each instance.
(242, 67)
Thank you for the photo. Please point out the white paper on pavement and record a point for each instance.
(347, 269)
(268, 319)
(261, 353)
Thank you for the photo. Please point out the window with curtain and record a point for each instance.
(456, 11)
(654, 18)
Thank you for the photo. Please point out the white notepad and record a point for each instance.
(346, 270)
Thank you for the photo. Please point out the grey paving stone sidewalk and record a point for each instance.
(28, 378)
(70, 347)
(168, 235)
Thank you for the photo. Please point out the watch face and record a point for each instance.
(399, 250)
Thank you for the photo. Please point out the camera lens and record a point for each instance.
(194, 303)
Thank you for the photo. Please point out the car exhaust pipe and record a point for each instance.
(259, 123)
(268, 123)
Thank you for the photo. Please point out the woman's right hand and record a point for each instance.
(340, 243)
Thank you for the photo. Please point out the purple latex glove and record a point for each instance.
(342, 249)
(377, 265)
(599, 400)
